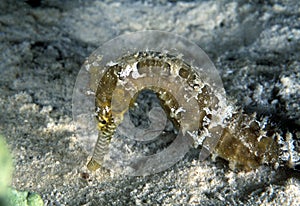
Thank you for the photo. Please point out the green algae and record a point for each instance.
(23, 198)
(5, 165)
(9, 196)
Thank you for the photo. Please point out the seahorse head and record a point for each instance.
(104, 118)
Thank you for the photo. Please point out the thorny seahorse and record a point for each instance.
(245, 142)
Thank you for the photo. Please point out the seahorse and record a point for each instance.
(190, 98)
(167, 76)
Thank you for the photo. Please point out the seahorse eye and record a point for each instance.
(102, 122)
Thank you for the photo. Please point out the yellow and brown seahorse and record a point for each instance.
(194, 106)
(167, 76)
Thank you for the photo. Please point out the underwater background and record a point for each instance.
(255, 46)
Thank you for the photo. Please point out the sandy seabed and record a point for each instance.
(255, 47)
